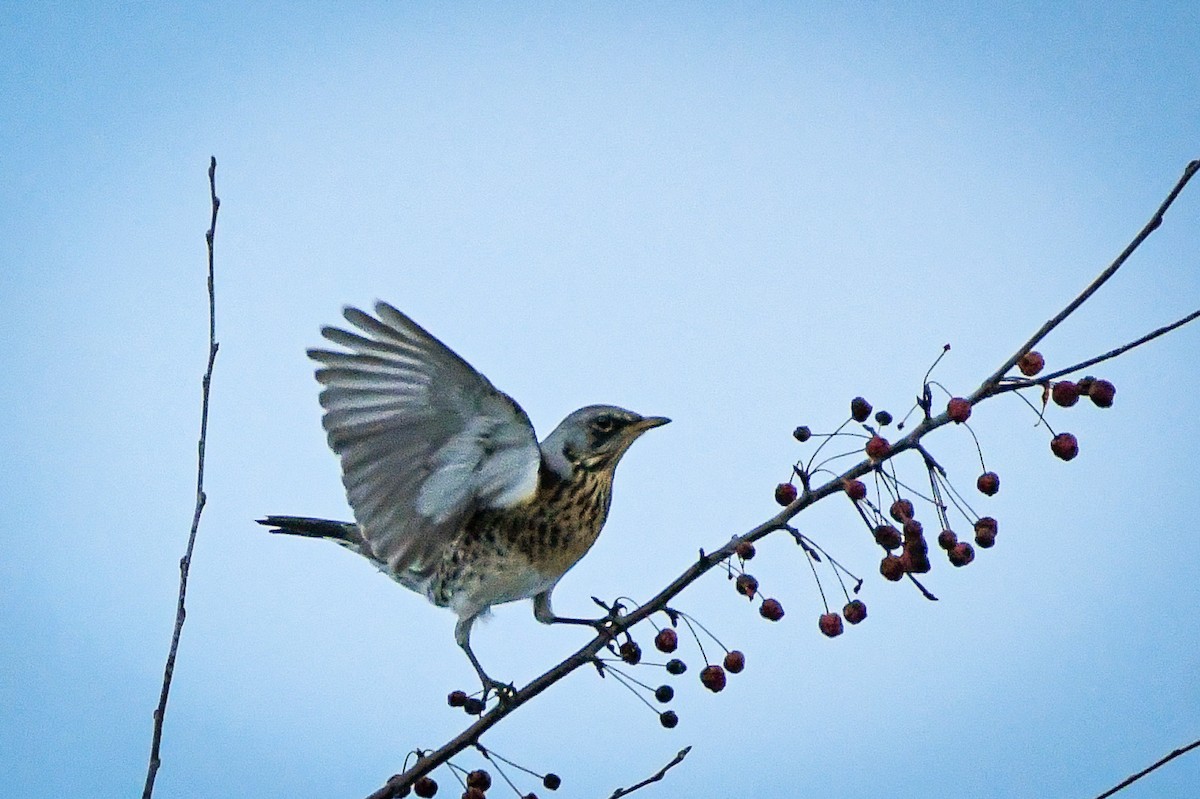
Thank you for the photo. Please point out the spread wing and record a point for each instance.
(424, 439)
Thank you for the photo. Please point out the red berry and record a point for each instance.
(947, 539)
(878, 448)
(746, 585)
(1065, 446)
(785, 493)
(425, 788)
(860, 409)
(713, 678)
(745, 550)
(771, 610)
(479, 779)
(985, 532)
(830, 624)
(456, 699)
(735, 661)
(669, 719)
(552, 781)
(891, 568)
(962, 553)
(1102, 393)
(988, 483)
(1031, 363)
(887, 536)
(915, 561)
(1065, 393)
(902, 509)
(667, 640)
(855, 489)
(473, 793)
(631, 653)
(913, 529)
(802, 434)
(986, 523)
(855, 611)
(959, 410)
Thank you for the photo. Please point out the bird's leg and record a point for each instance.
(543, 612)
(462, 636)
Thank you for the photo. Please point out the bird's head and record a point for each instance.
(595, 437)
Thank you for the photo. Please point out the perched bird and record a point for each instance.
(453, 496)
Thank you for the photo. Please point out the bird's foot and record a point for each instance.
(505, 692)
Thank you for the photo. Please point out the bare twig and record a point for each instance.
(993, 385)
(185, 562)
(658, 775)
(1134, 778)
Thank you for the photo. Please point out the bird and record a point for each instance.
(452, 495)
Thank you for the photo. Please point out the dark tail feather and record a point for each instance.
(344, 533)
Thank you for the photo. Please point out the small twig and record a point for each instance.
(185, 562)
(675, 761)
(1129, 781)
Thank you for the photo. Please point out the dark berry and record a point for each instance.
(802, 434)
(1065, 446)
(425, 787)
(855, 611)
(667, 640)
(914, 560)
(902, 509)
(668, 719)
(988, 483)
(878, 448)
(745, 550)
(962, 553)
(474, 706)
(713, 678)
(986, 538)
(891, 568)
(860, 409)
(746, 585)
(947, 539)
(959, 410)
(1065, 393)
(631, 653)
(855, 489)
(771, 610)
(456, 699)
(830, 624)
(887, 536)
(1031, 363)
(1102, 393)
(473, 793)
(735, 661)
(913, 529)
(552, 781)
(883, 418)
(664, 693)
(479, 779)
(676, 666)
(785, 493)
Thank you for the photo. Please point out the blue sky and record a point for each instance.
(739, 217)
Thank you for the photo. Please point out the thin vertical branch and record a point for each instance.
(185, 562)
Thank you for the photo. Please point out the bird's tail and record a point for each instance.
(345, 533)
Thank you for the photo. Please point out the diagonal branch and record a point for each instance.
(658, 775)
(1135, 777)
(185, 562)
(995, 384)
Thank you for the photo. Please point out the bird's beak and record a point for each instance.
(648, 423)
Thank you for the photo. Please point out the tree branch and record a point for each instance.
(1134, 778)
(185, 562)
(662, 772)
(991, 386)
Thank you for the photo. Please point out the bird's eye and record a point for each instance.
(604, 424)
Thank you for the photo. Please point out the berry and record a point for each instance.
(479, 779)
(713, 678)
(676, 666)
(1031, 363)
(878, 448)
(664, 693)
(552, 781)
(883, 418)
(855, 489)
(785, 493)
(1065, 393)
(947, 539)
(891, 568)
(985, 532)
(1065, 446)
(746, 585)
(668, 719)
(860, 409)
(959, 410)
(887, 536)
(667, 640)
(425, 788)
(962, 553)
(473, 706)
(631, 653)
(913, 530)
(915, 561)
(902, 509)
(830, 624)
(745, 550)
(988, 483)
(473, 793)
(456, 699)
(771, 610)
(855, 611)
(735, 662)
(986, 523)
(1102, 393)
(802, 434)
